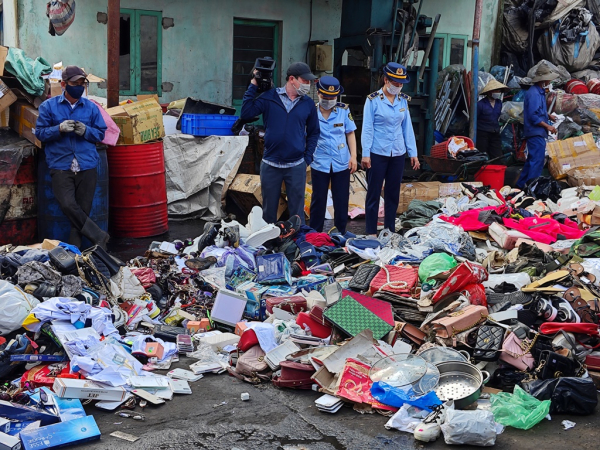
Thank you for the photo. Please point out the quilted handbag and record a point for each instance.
(146, 276)
(251, 362)
(247, 341)
(459, 321)
(395, 279)
(361, 281)
(516, 353)
(295, 375)
(102, 258)
(489, 342)
(129, 287)
(294, 304)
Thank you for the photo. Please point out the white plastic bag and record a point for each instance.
(406, 418)
(469, 428)
(15, 306)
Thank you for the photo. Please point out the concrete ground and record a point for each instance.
(214, 417)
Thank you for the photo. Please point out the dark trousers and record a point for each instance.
(75, 194)
(490, 143)
(389, 169)
(340, 191)
(536, 154)
(295, 186)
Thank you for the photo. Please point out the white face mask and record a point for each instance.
(394, 90)
(303, 89)
(496, 96)
(328, 104)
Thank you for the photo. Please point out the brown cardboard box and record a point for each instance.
(3, 56)
(455, 189)
(246, 193)
(139, 122)
(23, 117)
(417, 190)
(573, 153)
(589, 176)
(7, 97)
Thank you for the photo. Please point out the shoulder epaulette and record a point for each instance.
(405, 96)
(342, 105)
(373, 95)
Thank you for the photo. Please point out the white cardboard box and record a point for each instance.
(70, 388)
(8, 442)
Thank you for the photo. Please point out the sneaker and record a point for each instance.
(545, 309)
(566, 313)
(200, 263)
(296, 270)
(255, 220)
(268, 232)
(430, 429)
(289, 228)
(244, 232)
(232, 235)
(211, 230)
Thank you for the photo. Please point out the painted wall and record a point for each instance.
(197, 53)
(457, 18)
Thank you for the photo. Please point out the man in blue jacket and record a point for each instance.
(70, 126)
(292, 133)
(536, 125)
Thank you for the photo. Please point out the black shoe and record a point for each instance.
(201, 263)
(296, 270)
(289, 228)
(208, 237)
(232, 235)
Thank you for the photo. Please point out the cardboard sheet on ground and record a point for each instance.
(199, 171)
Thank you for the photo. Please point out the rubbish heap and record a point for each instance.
(480, 316)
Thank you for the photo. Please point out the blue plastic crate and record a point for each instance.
(207, 124)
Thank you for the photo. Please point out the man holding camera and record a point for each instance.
(292, 132)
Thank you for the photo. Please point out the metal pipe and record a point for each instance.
(113, 47)
(433, 74)
(414, 30)
(475, 70)
(400, 41)
(429, 44)
(395, 14)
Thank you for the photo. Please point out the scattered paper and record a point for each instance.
(126, 436)
(568, 424)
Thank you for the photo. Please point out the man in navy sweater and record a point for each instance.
(292, 133)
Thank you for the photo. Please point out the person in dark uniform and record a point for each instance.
(334, 158)
(70, 127)
(387, 136)
(488, 114)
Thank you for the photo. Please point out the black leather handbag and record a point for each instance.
(489, 342)
(63, 261)
(361, 280)
(553, 365)
(104, 260)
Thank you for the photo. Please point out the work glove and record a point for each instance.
(67, 126)
(79, 128)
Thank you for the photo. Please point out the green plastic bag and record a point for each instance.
(434, 264)
(519, 410)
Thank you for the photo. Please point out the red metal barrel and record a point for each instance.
(594, 85)
(19, 226)
(137, 190)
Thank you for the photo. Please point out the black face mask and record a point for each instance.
(75, 91)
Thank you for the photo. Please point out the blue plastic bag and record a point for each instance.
(393, 396)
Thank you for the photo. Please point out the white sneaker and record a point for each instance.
(255, 220)
(430, 428)
(268, 232)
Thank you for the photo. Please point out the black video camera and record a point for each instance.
(263, 72)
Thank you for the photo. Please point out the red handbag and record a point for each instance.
(247, 341)
(294, 304)
(463, 275)
(146, 276)
(577, 328)
(295, 375)
(315, 321)
(400, 280)
(476, 294)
